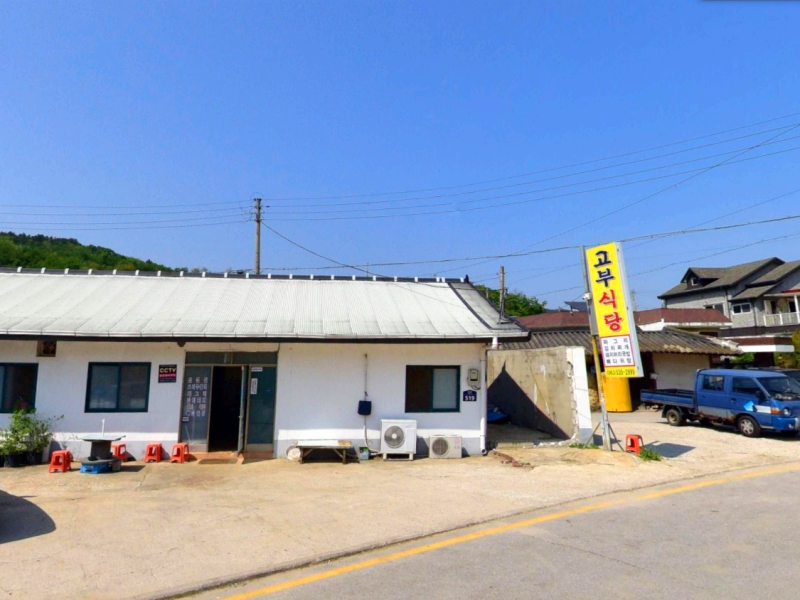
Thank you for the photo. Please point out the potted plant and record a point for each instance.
(13, 448)
(38, 438)
(27, 437)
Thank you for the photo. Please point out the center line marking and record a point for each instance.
(468, 537)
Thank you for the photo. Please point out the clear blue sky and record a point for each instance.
(161, 108)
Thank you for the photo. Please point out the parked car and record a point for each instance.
(750, 400)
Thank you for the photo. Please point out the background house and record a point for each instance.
(761, 299)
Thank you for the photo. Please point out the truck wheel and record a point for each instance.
(675, 417)
(748, 426)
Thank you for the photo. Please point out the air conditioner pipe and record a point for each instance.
(366, 397)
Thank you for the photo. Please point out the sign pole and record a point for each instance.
(596, 354)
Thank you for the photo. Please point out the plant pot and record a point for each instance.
(35, 457)
(15, 460)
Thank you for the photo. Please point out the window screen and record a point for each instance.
(17, 386)
(430, 389)
(118, 387)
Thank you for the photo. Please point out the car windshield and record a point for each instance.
(780, 386)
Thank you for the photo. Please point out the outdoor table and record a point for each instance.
(101, 444)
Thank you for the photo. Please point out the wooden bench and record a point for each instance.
(340, 447)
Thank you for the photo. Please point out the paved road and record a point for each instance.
(736, 538)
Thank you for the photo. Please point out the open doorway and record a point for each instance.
(226, 395)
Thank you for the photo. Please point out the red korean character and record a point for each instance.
(613, 321)
(609, 298)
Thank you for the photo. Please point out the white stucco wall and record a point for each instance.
(61, 390)
(677, 370)
(318, 389)
(319, 386)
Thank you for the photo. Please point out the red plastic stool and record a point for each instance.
(153, 453)
(180, 453)
(60, 461)
(633, 443)
(119, 450)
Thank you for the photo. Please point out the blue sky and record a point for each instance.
(178, 113)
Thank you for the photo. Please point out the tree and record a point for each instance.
(22, 250)
(517, 304)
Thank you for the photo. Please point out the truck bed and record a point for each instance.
(669, 397)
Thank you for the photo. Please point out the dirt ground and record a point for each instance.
(162, 527)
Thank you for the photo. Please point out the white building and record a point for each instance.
(240, 363)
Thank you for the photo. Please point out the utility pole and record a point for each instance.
(258, 235)
(502, 293)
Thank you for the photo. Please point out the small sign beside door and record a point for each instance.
(470, 396)
(253, 386)
(167, 373)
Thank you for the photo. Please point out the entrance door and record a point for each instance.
(261, 418)
(226, 396)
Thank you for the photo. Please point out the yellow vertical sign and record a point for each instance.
(612, 311)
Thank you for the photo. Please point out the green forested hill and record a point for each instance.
(21, 250)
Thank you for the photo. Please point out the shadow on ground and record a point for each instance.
(21, 519)
(668, 450)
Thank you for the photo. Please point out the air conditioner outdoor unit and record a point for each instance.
(445, 446)
(398, 436)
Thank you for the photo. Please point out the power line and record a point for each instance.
(526, 192)
(699, 172)
(453, 187)
(659, 235)
(546, 179)
(579, 164)
(35, 227)
(691, 260)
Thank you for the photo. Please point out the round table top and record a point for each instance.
(101, 437)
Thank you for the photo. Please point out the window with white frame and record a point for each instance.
(741, 308)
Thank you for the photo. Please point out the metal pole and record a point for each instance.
(596, 354)
(258, 236)
(502, 293)
(242, 409)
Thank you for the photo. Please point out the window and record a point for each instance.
(432, 389)
(741, 308)
(17, 386)
(118, 387)
(713, 383)
(745, 385)
(694, 282)
(714, 307)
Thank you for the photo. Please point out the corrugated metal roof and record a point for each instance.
(150, 306)
(665, 341)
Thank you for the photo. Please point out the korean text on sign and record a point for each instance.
(612, 311)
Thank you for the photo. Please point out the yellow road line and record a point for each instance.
(460, 539)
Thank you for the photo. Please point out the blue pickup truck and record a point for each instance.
(751, 401)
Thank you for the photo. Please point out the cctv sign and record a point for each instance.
(167, 373)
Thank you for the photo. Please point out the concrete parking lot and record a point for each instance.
(158, 529)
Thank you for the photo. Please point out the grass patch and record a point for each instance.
(648, 454)
(589, 446)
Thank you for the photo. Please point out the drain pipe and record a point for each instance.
(366, 397)
(483, 397)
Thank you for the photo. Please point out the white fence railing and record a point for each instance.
(781, 319)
